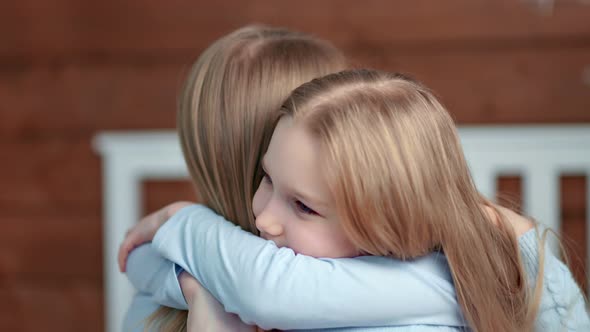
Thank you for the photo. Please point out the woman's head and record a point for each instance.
(229, 107)
(227, 111)
(389, 170)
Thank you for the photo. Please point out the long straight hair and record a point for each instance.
(227, 111)
(402, 188)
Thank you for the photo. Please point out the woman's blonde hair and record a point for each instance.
(227, 112)
(402, 188)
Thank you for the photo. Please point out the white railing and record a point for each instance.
(539, 154)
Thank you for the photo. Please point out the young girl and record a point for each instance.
(226, 115)
(321, 197)
(374, 166)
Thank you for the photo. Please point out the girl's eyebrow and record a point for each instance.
(316, 202)
(308, 198)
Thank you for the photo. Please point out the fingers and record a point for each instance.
(145, 230)
(132, 240)
(121, 258)
(124, 250)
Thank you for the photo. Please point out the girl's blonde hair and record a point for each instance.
(227, 112)
(401, 186)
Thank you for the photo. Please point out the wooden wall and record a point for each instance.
(70, 68)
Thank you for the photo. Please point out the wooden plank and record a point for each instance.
(72, 307)
(56, 250)
(67, 28)
(158, 194)
(518, 86)
(77, 100)
(52, 177)
(62, 178)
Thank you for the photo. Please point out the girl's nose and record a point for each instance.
(268, 222)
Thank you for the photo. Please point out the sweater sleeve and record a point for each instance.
(152, 274)
(142, 306)
(562, 306)
(275, 288)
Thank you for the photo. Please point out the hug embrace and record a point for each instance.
(332, 199)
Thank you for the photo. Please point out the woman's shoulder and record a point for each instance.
(519, 223)
(562, 305)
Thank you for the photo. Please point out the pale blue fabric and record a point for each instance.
(154, 277)
(272, 287)
(141, 307)
(338, 292)
(146, 270)
(562, 307)
(150, 273)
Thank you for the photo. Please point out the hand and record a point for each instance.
(145, 230)
(205, 313)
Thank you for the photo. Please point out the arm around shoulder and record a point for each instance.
(275, 288)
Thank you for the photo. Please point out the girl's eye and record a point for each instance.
(304, 208)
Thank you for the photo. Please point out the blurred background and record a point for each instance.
(70, 69)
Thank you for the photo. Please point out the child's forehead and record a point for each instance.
(293, 161)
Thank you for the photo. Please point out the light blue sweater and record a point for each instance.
(274, 288)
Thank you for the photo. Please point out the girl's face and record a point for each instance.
(293, 205)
